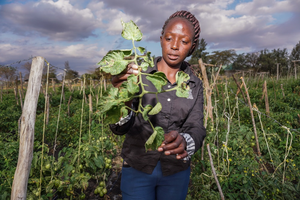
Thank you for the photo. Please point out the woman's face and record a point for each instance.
(176, 42)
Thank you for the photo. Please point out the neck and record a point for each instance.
(169, 71)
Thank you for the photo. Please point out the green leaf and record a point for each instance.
(131, 31)
(182, 87)
(132, 86)
(158, 79)
(124, 111)
(141, 49)
(144, 66)
(155, 140)
(99, 162)
(113, 62)
(145, 112)
(182, 77)
(156, 109)
(180, 92)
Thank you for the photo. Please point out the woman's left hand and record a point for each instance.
(174, 144)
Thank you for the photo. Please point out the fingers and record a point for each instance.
(174, 144)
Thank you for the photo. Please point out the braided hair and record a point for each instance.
(191, 18)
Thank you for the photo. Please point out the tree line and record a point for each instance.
(261, 61)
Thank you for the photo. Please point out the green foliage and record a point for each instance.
(113, 106)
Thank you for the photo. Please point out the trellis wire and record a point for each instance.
(79, 143)
(58, 117)
(44, 130)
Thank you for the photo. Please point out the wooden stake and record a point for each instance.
(19, 187)
(21, 82)
(21, 99)
(208, 90)
(16, 95)
(252, 117)
(281, 85)
(266, 98)
(239, 88)
(69, 105)
(214, 173)
(53, 85)
(47, 109)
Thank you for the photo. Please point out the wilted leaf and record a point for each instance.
(113, 62)
(132, 86)
(145, 112)
(144, 66)
(141, 49)
(156, 139)
(156, 109)
(131, 31)
(158, 79)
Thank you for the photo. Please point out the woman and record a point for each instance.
(164, 173)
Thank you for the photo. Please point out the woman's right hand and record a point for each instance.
(117, 80)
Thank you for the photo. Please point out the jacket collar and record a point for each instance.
(184, 67)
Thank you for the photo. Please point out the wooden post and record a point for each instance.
(91, 103)
(252, 117)
(295, 68)
(21, 82)
(21, 99)
(266, 98)
(207, 90)
(16, 95)
(281, 85)
(69, 105)
(53, 85)
(47, 109)
(19, 187)
(277, 71)
(239, 88)
(214, 173)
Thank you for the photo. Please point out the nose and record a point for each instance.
(175, 44)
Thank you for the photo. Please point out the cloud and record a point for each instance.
(56, 20)
(81, 57)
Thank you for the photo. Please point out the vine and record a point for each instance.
(113, 105)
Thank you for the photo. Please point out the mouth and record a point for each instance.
(173, 57)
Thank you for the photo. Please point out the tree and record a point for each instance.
(222, 57)
(295, 54)
(52, 73)
(27, 67)
(70, 74)
(7, 72)
(199, 53)
(240, 62)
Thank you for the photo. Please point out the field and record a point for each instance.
(77, 157)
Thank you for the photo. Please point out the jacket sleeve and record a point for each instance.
(122, 128)
(193, 125)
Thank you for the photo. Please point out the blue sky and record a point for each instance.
(82, 32)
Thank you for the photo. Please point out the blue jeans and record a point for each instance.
(137, 185)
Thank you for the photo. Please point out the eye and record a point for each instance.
(168, 39)
(184, 42)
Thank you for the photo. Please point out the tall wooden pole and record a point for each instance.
(252, 117)
(277, 71)
(295, 68)
(19, 187)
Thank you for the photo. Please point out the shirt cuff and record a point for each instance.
(124, 120)
(190, 145)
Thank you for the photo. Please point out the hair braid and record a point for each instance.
(191, 18)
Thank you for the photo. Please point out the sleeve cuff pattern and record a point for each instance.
(124, 120)
(190, 145)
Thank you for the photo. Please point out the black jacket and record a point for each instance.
(184, 115)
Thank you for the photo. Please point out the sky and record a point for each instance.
(82, 32)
